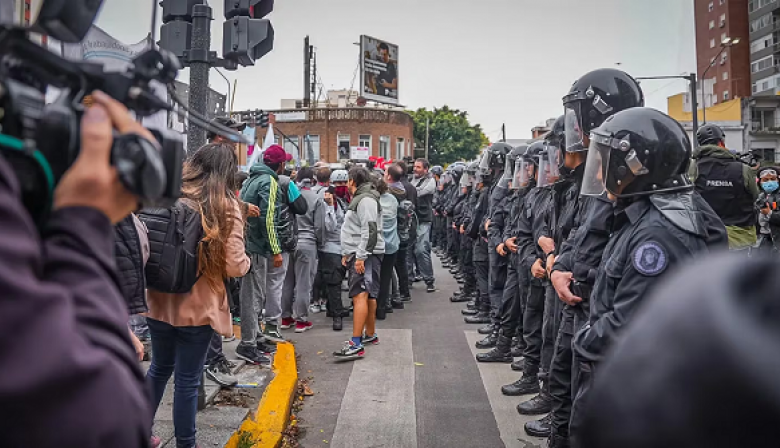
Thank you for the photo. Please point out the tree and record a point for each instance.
(451, 136)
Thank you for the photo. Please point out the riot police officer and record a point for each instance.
(727, 184)
(461, 221)
(640, 156)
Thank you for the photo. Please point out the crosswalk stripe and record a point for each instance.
(378, 407)
(510, 423)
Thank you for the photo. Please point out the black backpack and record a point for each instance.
(407, 221)
(175, 235)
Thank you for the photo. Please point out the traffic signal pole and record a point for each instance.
(200, 64)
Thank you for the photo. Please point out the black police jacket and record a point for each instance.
(500, 219)
(540, 221)
(652, 236)
(722, 183)
(531, 210)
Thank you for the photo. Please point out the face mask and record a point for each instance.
(342, 191)
(770, 186)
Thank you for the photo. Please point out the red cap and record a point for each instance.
(275, 154)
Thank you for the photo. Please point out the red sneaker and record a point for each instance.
(302, 326)
(155, 441)
(287, 323)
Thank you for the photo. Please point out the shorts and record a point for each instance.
(369, 280)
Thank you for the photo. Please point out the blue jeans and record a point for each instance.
(422, 252)
(183, 350)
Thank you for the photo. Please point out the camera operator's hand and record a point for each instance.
(92, 181)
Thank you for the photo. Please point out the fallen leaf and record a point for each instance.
(319, 353)
(307, 392)
(419, 364)
(322, 430)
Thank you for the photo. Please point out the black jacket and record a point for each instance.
(130, 264)
(288, 226)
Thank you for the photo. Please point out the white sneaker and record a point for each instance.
(323, 307)
(314, 308)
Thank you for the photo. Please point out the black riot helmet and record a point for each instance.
(637, 152)
(457, 170)
(534, 151)
(493, 160)
(594, 97)
(437, 170)
(557, 135)
(710, 134)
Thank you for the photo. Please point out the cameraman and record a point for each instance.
(70, 377)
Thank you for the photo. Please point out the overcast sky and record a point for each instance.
(503, 61)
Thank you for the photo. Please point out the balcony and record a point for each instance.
(765, 122)
(359, 114)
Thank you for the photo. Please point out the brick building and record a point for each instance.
(387, 133)
(729, 66)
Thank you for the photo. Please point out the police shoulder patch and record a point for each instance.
(649, 258)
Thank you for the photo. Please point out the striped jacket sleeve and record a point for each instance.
(269, 211)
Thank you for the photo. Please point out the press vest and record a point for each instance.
(722, 184)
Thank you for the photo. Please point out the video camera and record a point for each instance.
(41, 141)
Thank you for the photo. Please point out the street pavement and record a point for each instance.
(420, 387)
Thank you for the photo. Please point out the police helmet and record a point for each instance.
(535, 151)
(594, 97)
(710, 134)
(339, 176)
(472, 167)
(457, 169)
(437, 170)
(636, 152)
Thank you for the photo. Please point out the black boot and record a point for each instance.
(487, 329)
(482, 317)
(538, 405)
(518, 345)
(490, 341)
(454, 270)
(463, 297)
(381, 313)
(338, 323)
(519, 365)
(472, 305)
(539, 428)
(557, 441)
(528, 384)
(499, 354)
(397, 304)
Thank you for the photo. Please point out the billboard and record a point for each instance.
(378, 70)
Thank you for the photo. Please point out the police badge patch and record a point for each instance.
(649, 259)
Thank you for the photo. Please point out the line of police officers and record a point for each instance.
(557, 243)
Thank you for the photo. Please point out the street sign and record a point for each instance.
(359, 153)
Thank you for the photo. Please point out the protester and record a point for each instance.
(768, 218)
(262, 245)
(131, 252)
(300, 276)
(362, 247)
(290, 203)
(330, 272)
(182, 325)
(426, 187)
(389, 205)
(408, 224)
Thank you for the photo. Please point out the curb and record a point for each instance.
(273, 411)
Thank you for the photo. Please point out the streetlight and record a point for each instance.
(691, 77)
(726, 43)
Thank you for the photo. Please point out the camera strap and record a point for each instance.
(17, 146)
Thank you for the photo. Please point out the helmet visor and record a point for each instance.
(484, 163)
(548, 172)
(575, 137)
(522, 174)
(446, 178)
(594, 178)
(555, 159)
(465, 181)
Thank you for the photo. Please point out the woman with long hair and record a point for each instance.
(181, 325)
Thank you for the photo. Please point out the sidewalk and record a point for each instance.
(225, 411)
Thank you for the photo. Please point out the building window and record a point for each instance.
(723, 58)
(766, 154)
(711, 6)
(712, 43)
(384, 146)
(712, 24)
(761, 22)
(313, 143)
(760, 44)
(399, 148)
(764, 84)
(722, 2)
(763, 119)
(343, 146)
(714, 99)
(725, 95)
(758, 4)
(722, 20)
(292, 145)
(761, 64)
(725, 76)
(364, 141)
(722, 37)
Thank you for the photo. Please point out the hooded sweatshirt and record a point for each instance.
(311, 223)
(334, 219)
(262, 189)
(360, 233)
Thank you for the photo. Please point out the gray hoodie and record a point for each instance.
(330, 241)
(360, 233)
(311, 225)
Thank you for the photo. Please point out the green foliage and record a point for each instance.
(451, 136)
(245, 440)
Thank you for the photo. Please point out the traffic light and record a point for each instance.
(262, 119)
(176, 32)
(247, 37)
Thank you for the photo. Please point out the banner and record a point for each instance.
(378, 70)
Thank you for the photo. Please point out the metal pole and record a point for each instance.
(233, 98)
(199, 73)
(427, 130)
(694, 109)
(306, 73)
(229, 103)
(503, 133)
(704, 82)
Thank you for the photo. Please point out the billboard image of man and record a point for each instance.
(379, 73)
(387, 80)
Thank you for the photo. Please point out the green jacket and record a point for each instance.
(262, 189)
(739, 237)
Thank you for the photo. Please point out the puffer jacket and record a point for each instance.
(131, 249)
(262, 189)
(291, 203)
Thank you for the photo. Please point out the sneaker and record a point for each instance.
(287, 323)
(221, 374)
(272, 334)
(314, 308)
(373, 340)
(302, 326)
(324, 307)
(350, 350)
(236, 320)
(406, 298)
(431, 288)
(155, 441)
(228, 338)
(252, 355)
(266, 348)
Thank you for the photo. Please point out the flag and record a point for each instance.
(269, 140)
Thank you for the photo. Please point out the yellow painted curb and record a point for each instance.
(273, 411)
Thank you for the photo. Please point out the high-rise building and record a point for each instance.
(764, 48)
(722, 49)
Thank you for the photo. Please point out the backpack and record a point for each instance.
(175, 235)
(407, 221)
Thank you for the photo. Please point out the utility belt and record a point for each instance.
(582, 290)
